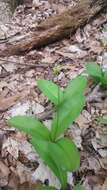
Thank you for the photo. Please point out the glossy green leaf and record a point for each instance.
(71, 153)
(65, 156)
(94, 70)
(45, 188)
(66, 114)
(44, 149)
(63, 153)
(61, 156)
(75, 86)
(79, 187)
(51, 90)
(104, 79)
(30, 126)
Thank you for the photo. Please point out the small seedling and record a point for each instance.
(97, 73)
(78, 187)
(57, 69)
(103, 120)
(57, 151)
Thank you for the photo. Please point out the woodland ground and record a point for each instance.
(20, 166)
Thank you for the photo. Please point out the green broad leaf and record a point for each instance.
(76, 86)
(30, 126)
(51, 90)
(67, 158)
(78, 187)
(103, 120)
(71, 152)
(104, 79)
(66, 114)
(44, 149)
(45, 188)
(94, 70)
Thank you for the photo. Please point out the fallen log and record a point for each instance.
(55, 28)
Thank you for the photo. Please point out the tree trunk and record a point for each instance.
(55, 28)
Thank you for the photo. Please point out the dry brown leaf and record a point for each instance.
(6, 103)
(2, 137)
(29, 186)
(97, 187)
(3, 84)
(104, 162)
(15, 184)
(93, 164)
(82, 121)
(104, 187)
(12, 147)
(49, 59)
(4, 172)
(95, 46)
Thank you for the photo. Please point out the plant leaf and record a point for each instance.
(78, 187)
(51, 90)
(44, 149)
(104, 79)
(66, 114)
(76, 86)
(71, 152)
(45, 188)
(63, 156)
(94, 70)
(30, 126)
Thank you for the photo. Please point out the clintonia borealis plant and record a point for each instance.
(97, 74)
(57, 151)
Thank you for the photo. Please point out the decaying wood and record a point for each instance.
(55, 28)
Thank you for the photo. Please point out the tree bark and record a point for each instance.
(55, 28)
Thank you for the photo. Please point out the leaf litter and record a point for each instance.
(20, 167)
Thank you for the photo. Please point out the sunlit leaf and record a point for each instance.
(75, 86)
(44, 149)
(94, 70)
(30, 126)
(104, 79)
(51, 90)
(70, 154)
(61, 156)
(66, 114)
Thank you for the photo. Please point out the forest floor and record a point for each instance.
(20, 166)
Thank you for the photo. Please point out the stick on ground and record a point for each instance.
(55, 28)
